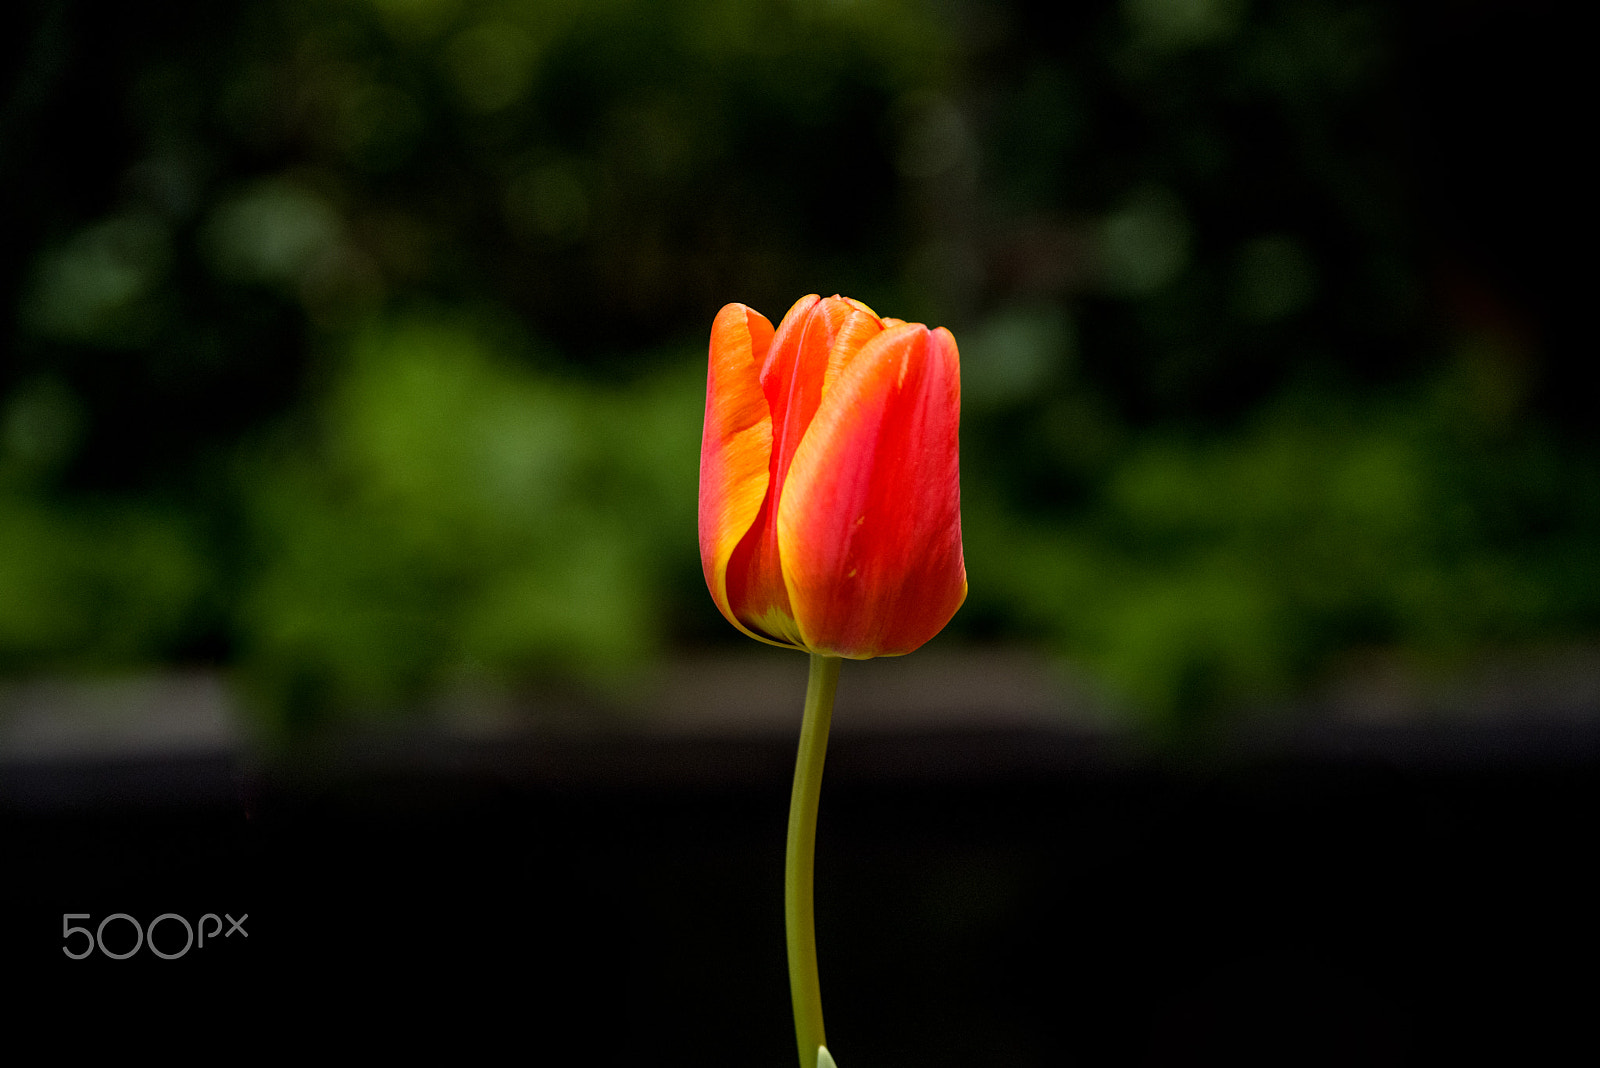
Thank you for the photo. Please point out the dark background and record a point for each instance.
(983, 898)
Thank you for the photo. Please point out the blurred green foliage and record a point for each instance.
(1213, 572)
(455, 516)
(358, 345)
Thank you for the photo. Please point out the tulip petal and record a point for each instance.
(735, 446)
(813, 341)
(869, 521)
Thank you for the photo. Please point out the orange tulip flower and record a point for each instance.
(830, 496)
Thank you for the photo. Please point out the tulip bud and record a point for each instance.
(830, 495)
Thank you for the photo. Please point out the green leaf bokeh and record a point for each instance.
(357, 347)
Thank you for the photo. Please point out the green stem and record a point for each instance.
(800, 858)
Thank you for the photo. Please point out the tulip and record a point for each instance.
(830, 521)
(830, 497)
